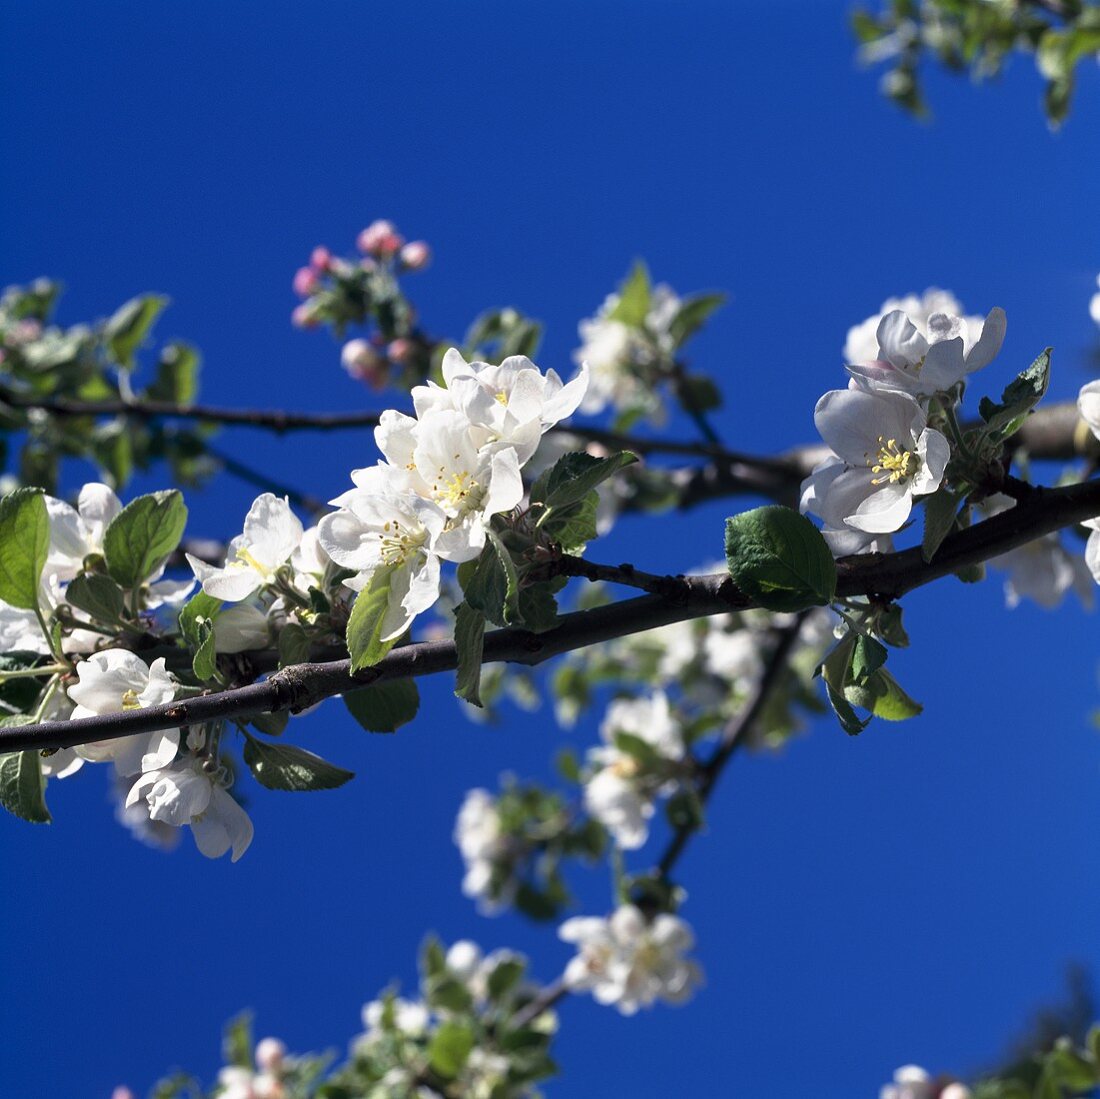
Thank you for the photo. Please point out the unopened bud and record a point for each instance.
(416, 255)
(305, 282)
(305, 316)
(320, 259)
(463, 959)
(401, 351)
(380, 238)
(269, 1054)
(363, 362)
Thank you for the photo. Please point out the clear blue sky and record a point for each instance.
(907, 895)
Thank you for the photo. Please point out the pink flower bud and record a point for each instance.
(305, 316)
(380, 239)
(401, 350)
(416, 255)
(269, 1054)
(305, 282)
(363, 362)
(320, 259)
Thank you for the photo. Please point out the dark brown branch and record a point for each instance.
(879, 576)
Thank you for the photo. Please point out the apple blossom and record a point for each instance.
(630, 962)
(362, 360)
(272, 532)
(76, 533)
(114, 680)
(1094, 304)
(481, 841)
(891, 455)
(910, 1082)
(184, 794)
(861, 345)
(380, 239)
(415, 256)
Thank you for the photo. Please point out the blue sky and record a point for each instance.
(907, 895)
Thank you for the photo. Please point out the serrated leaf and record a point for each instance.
(779, 559)
(868, 655)
(574, 527)
(849, 720)
(538, 607)
(574, 475)
(367, 619)
(177, 375)
(1004, 418)
(22, 786)
(632, 307)
(285, 767)
(511, 579)
(469, 642)
(198, 608)
(384, 707)
(97, 594)
(129, 326)
(882, 695)
(450, 1048)
(24, 546)
(140, 538)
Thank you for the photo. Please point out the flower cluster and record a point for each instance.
(365, 290)
(630, 961)
(912, 1082)
(885, 429)
(448, 471)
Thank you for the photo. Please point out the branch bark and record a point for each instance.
(878, 576)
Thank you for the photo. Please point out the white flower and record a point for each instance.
(77, 532)
(861, 346)
(236, 1082)
(114, 680)
(374, 530)
(272, 532)
(463, 959)
(618, 795)
(239, 628)
(1088, 404)
(733, 655)
(184, 794)
(480, 840)
(1094, 304)
(629, 962)
(513, 403)
(309, 561)
(910, 1082)
(618, 355)
(409, 1016)
(842, 540)
(931, 358)
(891, 453)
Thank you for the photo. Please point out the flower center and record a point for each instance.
(502, 397)
(398, 543)
(244, 554)
(894, 463)
(130, 700)
(453, 489)
(625, 767)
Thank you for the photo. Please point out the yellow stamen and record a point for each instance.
(130, 700)
(244, 554)
(894, 463)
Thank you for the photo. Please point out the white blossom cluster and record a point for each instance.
(265, 1082)
(622, 358)
(447, 471)
(912, 1082)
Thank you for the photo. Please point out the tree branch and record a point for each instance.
(878, 576)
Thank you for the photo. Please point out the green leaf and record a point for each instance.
(270, 724)
(634, 297)
(293, 645)
(639, 750)
(24, 546)
(685, 810)
(573, 527)
(868, 655)
(284, 767)
(692, 315)
(22, 786)
(779, 559)
(205, 662)
(97, 594)
(849, 720)
(449, 1048)
(368, 615)
(469, 641)
(177, 375)
(940, 510)
(881, 693)
(200, 607)
(574, 475)
(698, 393)
(142, 535)
(129, 326)
(1020, 396)
(237, 1041)
(505, 976)
(384, 707)
(538, 607)
(511, 579)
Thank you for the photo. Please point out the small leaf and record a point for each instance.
(24, 546)
(200, 607)
(142, 535)
(940, 511)
(237, 1042)
(883, 696)
(573, 527)
(284, 767)
(205, 664)
(868, 655)
(177, 375)
(574, 475)
(293, 645)
(692, 315)
(450, 1048)
(632, 307)
(779, 559)
(97, 594)
(639, 750)
(384, 707)
(1020, 396)
(469, 641)
(129, 326)
(511, 579)
(22, 786)
(368, 616)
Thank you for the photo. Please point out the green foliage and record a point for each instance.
(22, 785)
(855, 677)
(368, 615)
(573, 476)
(779, 559)
(98, 595)
(129, 326)
(24, 546)
(469, 641)
(284, 767)
(1004, 418)
(384, 707)
(634, 298)
(140, 538)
